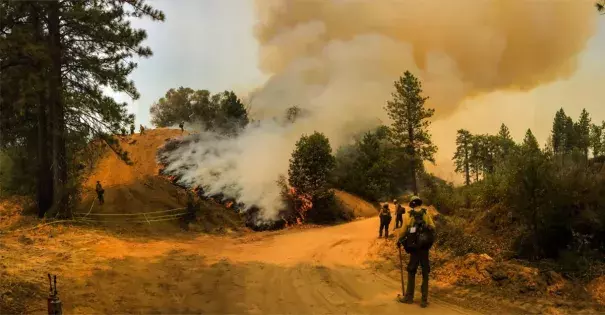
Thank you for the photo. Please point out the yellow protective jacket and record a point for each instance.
(408, 220)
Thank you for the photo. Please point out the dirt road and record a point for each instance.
(319, 271)
(313, 271)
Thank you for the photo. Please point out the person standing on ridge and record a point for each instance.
(141, 129)
(100, 191)
(417, 237)
(399, 212)
(385, 220)
(182, 126)
(131, 129)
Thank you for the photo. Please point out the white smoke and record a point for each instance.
(338, 60)
(239, 167)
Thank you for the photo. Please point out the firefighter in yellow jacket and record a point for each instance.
(417, 237)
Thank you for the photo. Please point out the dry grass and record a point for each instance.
(359, 207)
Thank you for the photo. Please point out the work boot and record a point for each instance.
(425, 289)
(409, 293)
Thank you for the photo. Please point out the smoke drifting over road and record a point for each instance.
(338, 59)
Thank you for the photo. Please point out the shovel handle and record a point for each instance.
(401, 272)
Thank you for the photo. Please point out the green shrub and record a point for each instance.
(441, 194)
(452, 234)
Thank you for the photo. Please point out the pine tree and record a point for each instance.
(462, 157)
(558, 132)
(489, 152)
(506, 144)
(571, 139)
(311, 165)
(530, 144)
(476, 159)
(409, 129)
(582, 128)
(77, 48)
(596, 139)
(23, 103)
(603, 138)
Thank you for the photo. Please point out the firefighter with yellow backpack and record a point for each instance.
(417, 236)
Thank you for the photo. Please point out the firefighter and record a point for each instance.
(190, 215)
(132, 129)
(417, 237)
(399, 212)
(385, 220)
(141, 129)
(100, 192)
(182, 126)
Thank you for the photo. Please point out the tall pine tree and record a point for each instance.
(476, 160)
(583, 132)
(409, 129)
(558, 133)
(67, 52)
(571, 138)
(506, 144)
(530, 144)
(596, 139)
(462, 157)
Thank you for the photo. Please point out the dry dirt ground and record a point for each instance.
(319, 270)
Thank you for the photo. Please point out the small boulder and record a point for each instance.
(25, 240)
(499, 275)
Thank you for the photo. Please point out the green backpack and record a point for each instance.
(419, 235)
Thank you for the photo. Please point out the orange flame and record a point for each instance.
(302, 204)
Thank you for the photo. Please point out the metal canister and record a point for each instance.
(54, 306)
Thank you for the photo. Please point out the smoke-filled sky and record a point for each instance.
(481, 62)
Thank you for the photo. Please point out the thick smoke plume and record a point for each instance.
(338, 59)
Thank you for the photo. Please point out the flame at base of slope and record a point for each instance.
(302, 204)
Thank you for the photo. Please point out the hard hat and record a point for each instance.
(415, 201)
(394, 200)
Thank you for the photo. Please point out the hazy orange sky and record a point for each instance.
(210, 45)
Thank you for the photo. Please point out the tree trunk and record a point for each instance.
(414, 181)
(44, 185)
(412, 151)
(467, 169)
(55, 86)
(45, 182)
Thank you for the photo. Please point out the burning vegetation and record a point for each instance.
(305, 196)
(252, 213)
